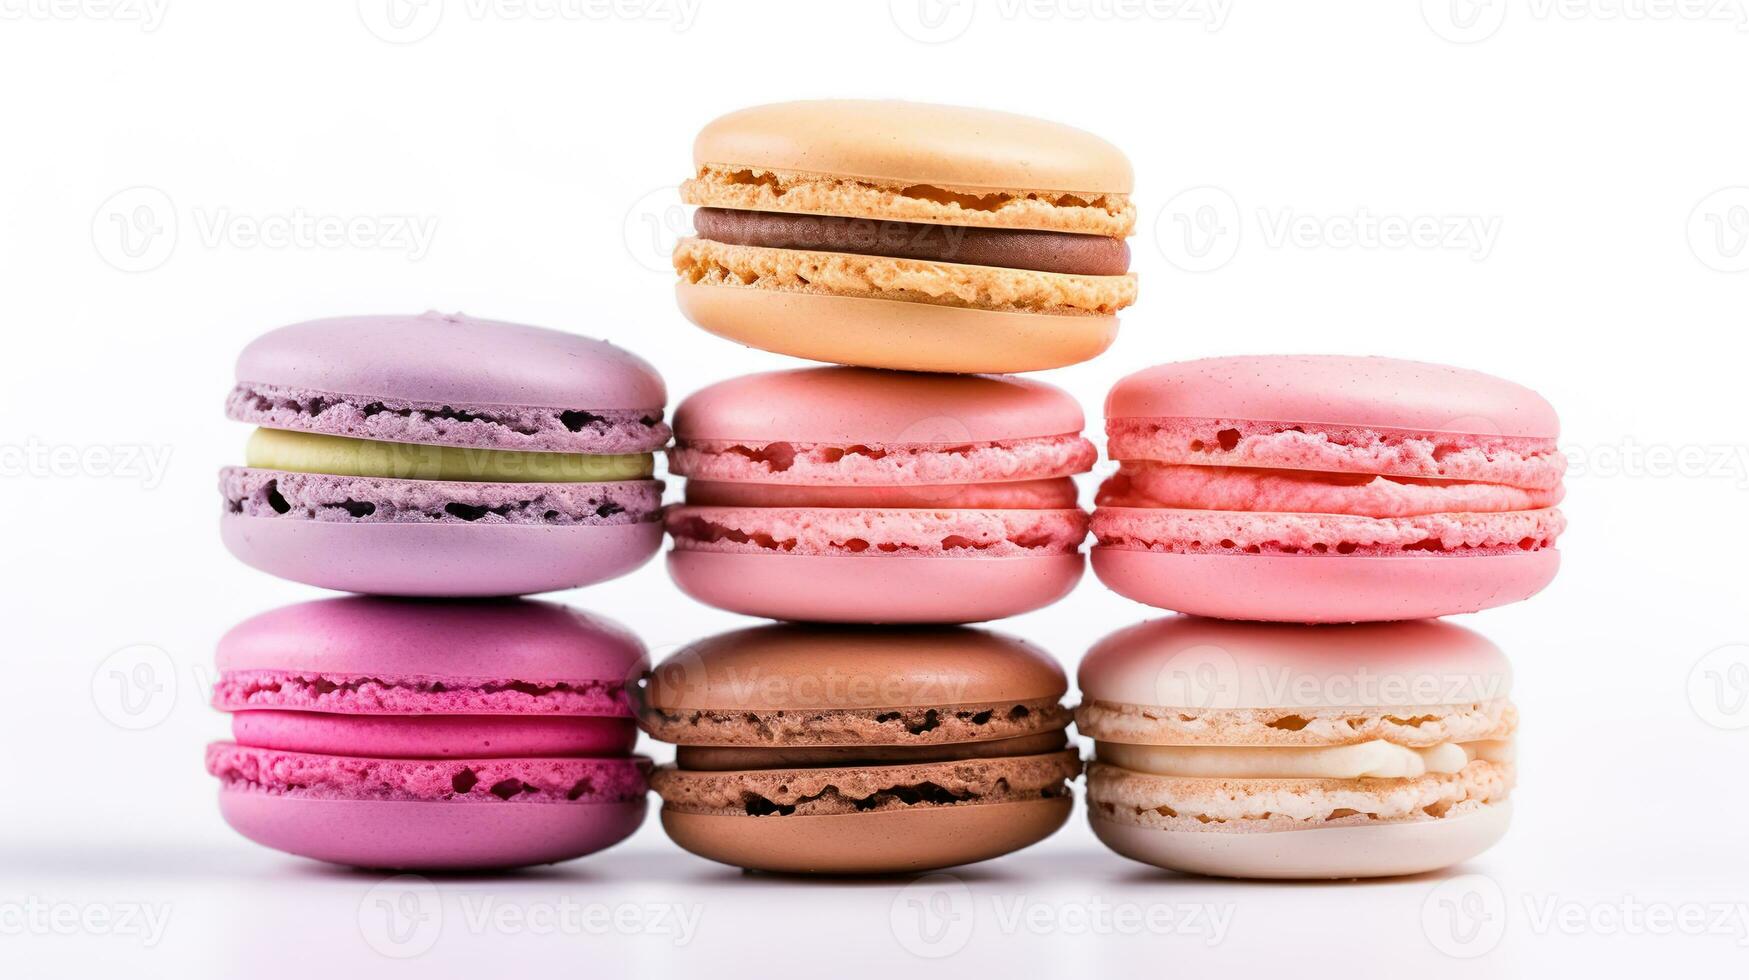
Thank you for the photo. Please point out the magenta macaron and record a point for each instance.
(1327, 489)
(439, 455)
(854, 495)
(399, 733)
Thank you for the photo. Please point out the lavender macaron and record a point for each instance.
(442, 455)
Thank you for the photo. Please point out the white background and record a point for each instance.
(1605, 146)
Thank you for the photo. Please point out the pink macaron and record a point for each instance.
(398, 733)
(853, 495)
(1327, 489)
(439, 455)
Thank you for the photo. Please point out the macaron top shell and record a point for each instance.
(859, 406)
(814, 668)
(515, 640)
(1374, 392)
(1194, 663)
(452, 359)
(915, 143)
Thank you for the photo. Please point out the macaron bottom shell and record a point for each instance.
(429, 836)
(892, 842)
(866, 331)
(1380, 850)
(439, 559)
(874, 589)
(428, 813)
(1324, 588)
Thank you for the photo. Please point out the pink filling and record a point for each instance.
(829, 531)
(367, 694)
(1151, 484)
(434, 736)
(1048, 494)
(884, 465)
(1510, 460)
(335, 777)
(1233, 532)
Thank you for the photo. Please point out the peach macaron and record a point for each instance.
(854, 495)
(1264, 750)
(906, 235)
(1327, 489)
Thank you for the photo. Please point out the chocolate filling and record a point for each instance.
(1039, 251)
(715, 758)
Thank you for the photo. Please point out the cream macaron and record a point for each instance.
(906, 235)
(1255, 750)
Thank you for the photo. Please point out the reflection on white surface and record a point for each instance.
(1065, 906)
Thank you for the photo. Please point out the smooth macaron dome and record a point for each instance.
(907, 235)
(855, 495)
(1327, 489)
(443, 455)
(410, 733)
(858, 750)
(1278, 751)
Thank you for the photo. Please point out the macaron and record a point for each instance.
(852, 495)
(906, 235)
(1256, 750)
(397, 733)
(1327, 489)
(440, 455)
(850, 750)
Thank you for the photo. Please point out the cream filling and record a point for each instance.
(1377, 759)
(309, 452)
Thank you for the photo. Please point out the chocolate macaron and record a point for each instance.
(848, 750)
(905, 235)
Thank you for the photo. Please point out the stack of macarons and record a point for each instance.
(437, 464)
(926, 250)
(1303, 714)
(1294, 492)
